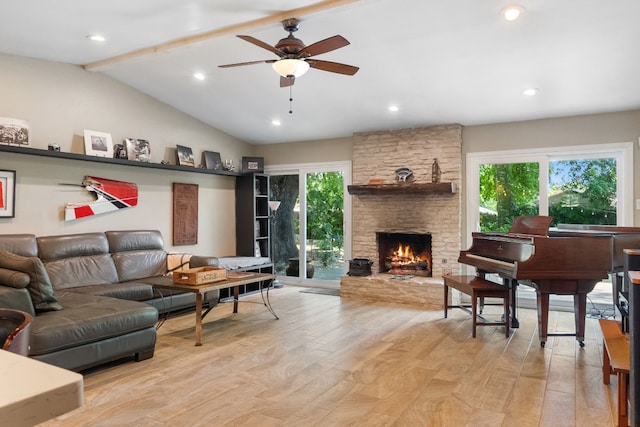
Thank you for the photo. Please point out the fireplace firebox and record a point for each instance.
(404, 253)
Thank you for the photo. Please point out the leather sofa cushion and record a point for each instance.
(137, 254)
(18, 299)
(71, 245)
(19, 244)
(40, 288)
(131, 291)
(87, 319)
(132, 240)
(82, 271)
(134, 265)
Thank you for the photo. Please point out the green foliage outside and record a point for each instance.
(581, 192)
(510, 190)
(325, 209)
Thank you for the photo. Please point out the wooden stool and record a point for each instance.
(477, 288)
(616, 359)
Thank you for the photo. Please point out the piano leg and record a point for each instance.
(543, 316)
(580, 313)
(513, 285)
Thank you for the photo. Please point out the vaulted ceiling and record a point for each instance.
(438, 62)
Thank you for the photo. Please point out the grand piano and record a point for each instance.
(563, 261)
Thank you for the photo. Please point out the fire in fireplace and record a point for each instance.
(404, 253)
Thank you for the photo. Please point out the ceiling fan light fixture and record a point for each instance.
(291, 67)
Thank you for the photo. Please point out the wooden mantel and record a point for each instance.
(407, 188)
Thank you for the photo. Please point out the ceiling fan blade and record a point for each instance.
(287, 81)
(334, 67)
(323, 46)
(238, 64)
(263, 45)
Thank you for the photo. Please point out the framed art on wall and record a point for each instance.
(212, 160)
(97, 143)
(14, 131)
(185, 214)
(252, 164)
(7, 194)
(185, 156)
(138, 150)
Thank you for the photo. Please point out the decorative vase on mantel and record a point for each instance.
(435, 171)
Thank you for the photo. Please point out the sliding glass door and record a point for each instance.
(312, 231)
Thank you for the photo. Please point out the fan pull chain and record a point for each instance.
(291, 99)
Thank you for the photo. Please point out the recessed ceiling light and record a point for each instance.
(393, 108)
(96, 37)
(275, 122)
(532, 91)
(198, 76)
(513, 12)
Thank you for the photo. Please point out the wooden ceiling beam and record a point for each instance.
(231, 29)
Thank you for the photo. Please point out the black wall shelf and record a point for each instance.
(95, 159)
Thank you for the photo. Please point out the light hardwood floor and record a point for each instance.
(334, 362)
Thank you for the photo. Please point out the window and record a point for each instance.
(580, 185)
(577, 185)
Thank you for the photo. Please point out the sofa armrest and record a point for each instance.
(14, 279)
(203, 261)
(17, 299)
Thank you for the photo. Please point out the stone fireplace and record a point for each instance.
(406, 208)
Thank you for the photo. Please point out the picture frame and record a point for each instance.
(212, 160)
(252, 164)
(138, 150)
(14, 131)
(97, 144)
(185, 156)
(185, 214)
(7, 194)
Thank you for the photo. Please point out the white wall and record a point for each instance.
(60, 101)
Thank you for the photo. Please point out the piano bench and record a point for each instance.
(477, 287)
(616, 355)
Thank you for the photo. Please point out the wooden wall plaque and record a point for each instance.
(185, 214)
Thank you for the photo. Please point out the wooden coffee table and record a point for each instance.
(232, 281)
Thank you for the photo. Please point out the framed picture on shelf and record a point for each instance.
(7, 194)
(138, 150)
(97, 144)
(212, 160)
(185, 156)
(252, 164)
(14, 131)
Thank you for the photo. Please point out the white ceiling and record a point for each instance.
(454, 61)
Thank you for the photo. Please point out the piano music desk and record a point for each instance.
(476, 288)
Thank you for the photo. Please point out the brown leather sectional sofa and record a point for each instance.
(91, 294)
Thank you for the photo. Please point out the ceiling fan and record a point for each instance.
(295, 56)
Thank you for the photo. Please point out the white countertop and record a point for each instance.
(33, 391)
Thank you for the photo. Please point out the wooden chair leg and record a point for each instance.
(505, 301)
(623, 417)
(446, 298)
(474, 314)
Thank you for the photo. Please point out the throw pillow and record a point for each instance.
(39, 286)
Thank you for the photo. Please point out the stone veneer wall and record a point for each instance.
(378, 155)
